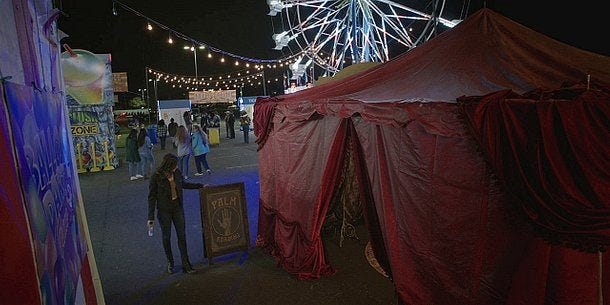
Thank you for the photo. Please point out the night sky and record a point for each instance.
(243, 27)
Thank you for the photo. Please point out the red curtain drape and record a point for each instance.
(263, 115)
(301, 252)
(550, 151)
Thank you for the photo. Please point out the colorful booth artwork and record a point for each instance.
(42, 151)
(88, 79)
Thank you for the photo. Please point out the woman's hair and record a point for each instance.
(182, 134)
(133, 134)
(168, 164)
(141, 137)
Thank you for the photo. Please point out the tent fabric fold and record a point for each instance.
(550, 154)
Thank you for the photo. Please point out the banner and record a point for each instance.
(173, 109)
(211, 97)
(119, 82)
(92, 129)
(90, 97)
(88, 77)
(44, 165)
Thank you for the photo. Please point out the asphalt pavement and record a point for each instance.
(132, 264)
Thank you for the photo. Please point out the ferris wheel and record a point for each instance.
(334, 33)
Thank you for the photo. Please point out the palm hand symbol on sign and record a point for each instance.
(225, 221)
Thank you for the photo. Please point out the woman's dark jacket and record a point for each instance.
(160, 194)
(131, 150)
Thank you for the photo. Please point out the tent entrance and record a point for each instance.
(351, 212)
(345, 210)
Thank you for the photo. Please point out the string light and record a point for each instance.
(194, 84)
(170, 40)
(202, 45)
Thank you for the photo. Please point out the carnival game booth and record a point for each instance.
(45, 249)
(393, 141)
(89, 96)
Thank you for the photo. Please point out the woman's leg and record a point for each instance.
(205, 161)
(198, 163)
(186, 165)
(165, 221)
(143, 164)
(131, 165)
(178, 218)
(151, 160)
(181, 164)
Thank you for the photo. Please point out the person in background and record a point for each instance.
(172, 128)
(165, 196)
(188, 121)
(184, 150)
(132, 156)
(201, 148)
(162, 132)
(231, 124)
(205, 122)
(245, 126)
(216, 120)
(145, 151)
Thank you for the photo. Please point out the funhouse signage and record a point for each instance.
(89, 85)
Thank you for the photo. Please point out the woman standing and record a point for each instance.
(165, 195)
(145, 151)
(183, 144)
(200, 149)
(245, 126)
(132, 156)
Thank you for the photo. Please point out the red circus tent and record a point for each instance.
(437, 217)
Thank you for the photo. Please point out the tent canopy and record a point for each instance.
(429, 194)
(484, 53)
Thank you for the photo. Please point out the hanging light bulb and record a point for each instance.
(237, 63)
(170, 40)
(209, 55)
(149, 27)
(222, 59)
(114, 12)
(192, 49)
(247, 65)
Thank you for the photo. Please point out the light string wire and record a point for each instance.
(200, 43)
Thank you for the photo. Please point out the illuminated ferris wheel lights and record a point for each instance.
(281, 40)
(275, 6)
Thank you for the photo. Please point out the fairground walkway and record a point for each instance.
(132, 265)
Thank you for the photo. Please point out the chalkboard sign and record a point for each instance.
(224, 219)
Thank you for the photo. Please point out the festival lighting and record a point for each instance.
(200, 44)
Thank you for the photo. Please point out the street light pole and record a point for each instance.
(195, 56)
(194, 50)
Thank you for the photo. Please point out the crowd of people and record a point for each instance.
(170, 178)
(187, 140)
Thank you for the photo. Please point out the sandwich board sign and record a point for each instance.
(224, 219)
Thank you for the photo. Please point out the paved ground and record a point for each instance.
(132, 264)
